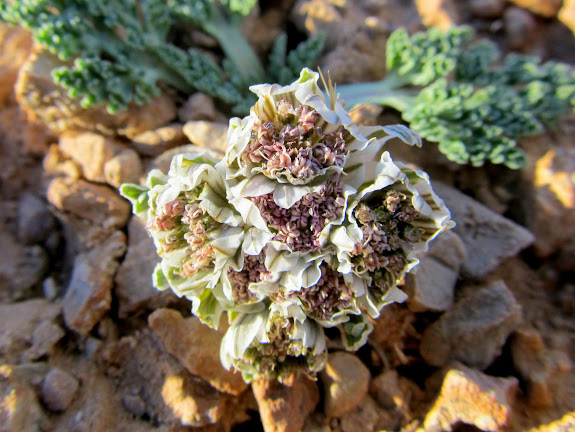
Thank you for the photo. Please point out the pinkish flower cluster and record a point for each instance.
(386, 228)
(254, 270)
(294, 146)
(301, 225)
(328, 296)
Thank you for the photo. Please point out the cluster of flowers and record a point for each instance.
(305, 224)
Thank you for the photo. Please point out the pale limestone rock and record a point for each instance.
(346, 381)
(155, 142)
(471, 397)
(474, 330)
(93, 212)
(125, 167)
(88, 295)
(285, 407)
(438, 13)
(208, 135)
(90, 151)
(567, 14)
(58, 389)
(489, 238)
(197, 347)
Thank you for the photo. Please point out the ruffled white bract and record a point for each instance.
(307, 223)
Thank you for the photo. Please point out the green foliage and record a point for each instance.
(463, 95)
(283, 69)
(116, 53)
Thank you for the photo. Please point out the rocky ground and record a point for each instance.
(486, 341)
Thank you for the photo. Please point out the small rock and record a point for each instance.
(438, 13)
(533, 362)
(487, 8)
(366, 114)
(134, 287)
(285, 407)
(567, 14)
(134, 404)
(90, 151)
(19, 410)
(554, 201)
(36, 139)
(207, 134)
(386, 391)
(56, 164)
(155, 142)
(41, 98)
(93, 212)
(44, 338)
(519, 25)
(21, 267)
(431, 286)
(474, 330)
(471, 397)
(88, 296)
(546, 8)
(19, 322)
(196, 346)
(365, 418)
(125, 167)
(199, 106)
(345, 381)
(58, 389)
(35, 221)
(489, 238)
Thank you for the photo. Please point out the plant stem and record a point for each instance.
(227, 31)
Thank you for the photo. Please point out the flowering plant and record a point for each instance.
(305, 224)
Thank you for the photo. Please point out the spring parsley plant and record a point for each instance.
(307, 223)
(462, 94)
(115, 53)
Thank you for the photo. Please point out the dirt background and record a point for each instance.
(485, 343)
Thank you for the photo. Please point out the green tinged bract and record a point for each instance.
(307, 223)
(464, 96)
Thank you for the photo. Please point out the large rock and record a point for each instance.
(285, 407)
(471, 397)
(346, 382)
(134, 287)
(50, 103)
(431, 286)
(488, 237)
(93, 212)
(197, 347)
(18, 324)
(474, 330)
(89, 296)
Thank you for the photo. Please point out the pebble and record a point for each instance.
(58, 390)
(207, 134)
(345, 381)
(125, 167)
(487, 8)
(155, 142)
